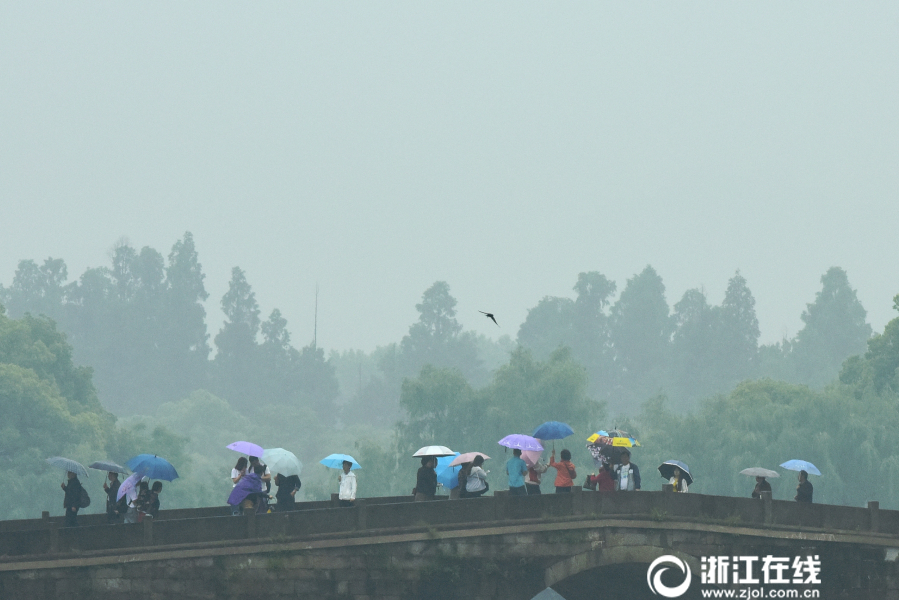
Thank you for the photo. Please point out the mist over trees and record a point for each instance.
(130, 340)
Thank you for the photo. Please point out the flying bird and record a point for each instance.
(489, 316)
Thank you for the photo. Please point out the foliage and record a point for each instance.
(845, 430)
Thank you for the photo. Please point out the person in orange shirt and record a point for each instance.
(565, 471)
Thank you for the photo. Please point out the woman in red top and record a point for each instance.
(565, 471)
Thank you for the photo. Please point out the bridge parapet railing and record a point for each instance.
(216, 524)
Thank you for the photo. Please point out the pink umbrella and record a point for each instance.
(467, 457)
(531, 457)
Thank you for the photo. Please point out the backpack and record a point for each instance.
(84, 500)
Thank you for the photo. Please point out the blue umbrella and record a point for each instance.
(552, 430)
(154, 467)
(447, 475)
(666, 470)
(335, 461)
(801, 465)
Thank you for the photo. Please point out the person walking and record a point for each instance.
(627, 474)
(804, 490)
(426, 482)
(72, 500)
(761, 485)
(516, 469)
(347, 481)
(565, 471)
(476, 485)
(113, 506)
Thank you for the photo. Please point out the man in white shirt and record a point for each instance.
(347, 479)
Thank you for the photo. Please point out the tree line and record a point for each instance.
(687, 379)
(140, 324)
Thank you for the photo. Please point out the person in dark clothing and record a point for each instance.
(72, 499)
(426, 483)
(288, 486)
(112, 504)
(761, 485)
(153, 508)
(804, 489)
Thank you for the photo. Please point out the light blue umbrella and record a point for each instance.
(335, 461)
(447, 475)
(154, 467)
(801, 465)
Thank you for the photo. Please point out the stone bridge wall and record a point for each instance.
(495, 547)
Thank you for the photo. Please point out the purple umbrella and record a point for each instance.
(522, 442)
(248, 448)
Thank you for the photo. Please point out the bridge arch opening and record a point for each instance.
(619, 572)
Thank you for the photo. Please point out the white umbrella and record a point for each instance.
(129, 486)
(67, 464)
(434, 451)
(282, 461)
(108, 466)
(759, 472)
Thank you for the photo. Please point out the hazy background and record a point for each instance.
(374, 148)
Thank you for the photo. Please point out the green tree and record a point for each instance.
(693, 347)
(236, 360)
(39, 290)
(548, 326)
(186, 339)
(437, 338)
(641, 332)
(738, 332)
(883, 358)
(835, 329)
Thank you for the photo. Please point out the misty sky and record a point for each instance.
(375, 147)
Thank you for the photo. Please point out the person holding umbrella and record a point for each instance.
(113, 507)
(288, 486)
(804, 490)
(426, 482)
(72, 500)
(516, 469)
(761, 485)
(347, 481)
(565, 471)
(476, 485)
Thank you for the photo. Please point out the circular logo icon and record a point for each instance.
(654, 576)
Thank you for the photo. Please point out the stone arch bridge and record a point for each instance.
(583, 545)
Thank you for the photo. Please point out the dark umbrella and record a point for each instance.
(666, 470)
